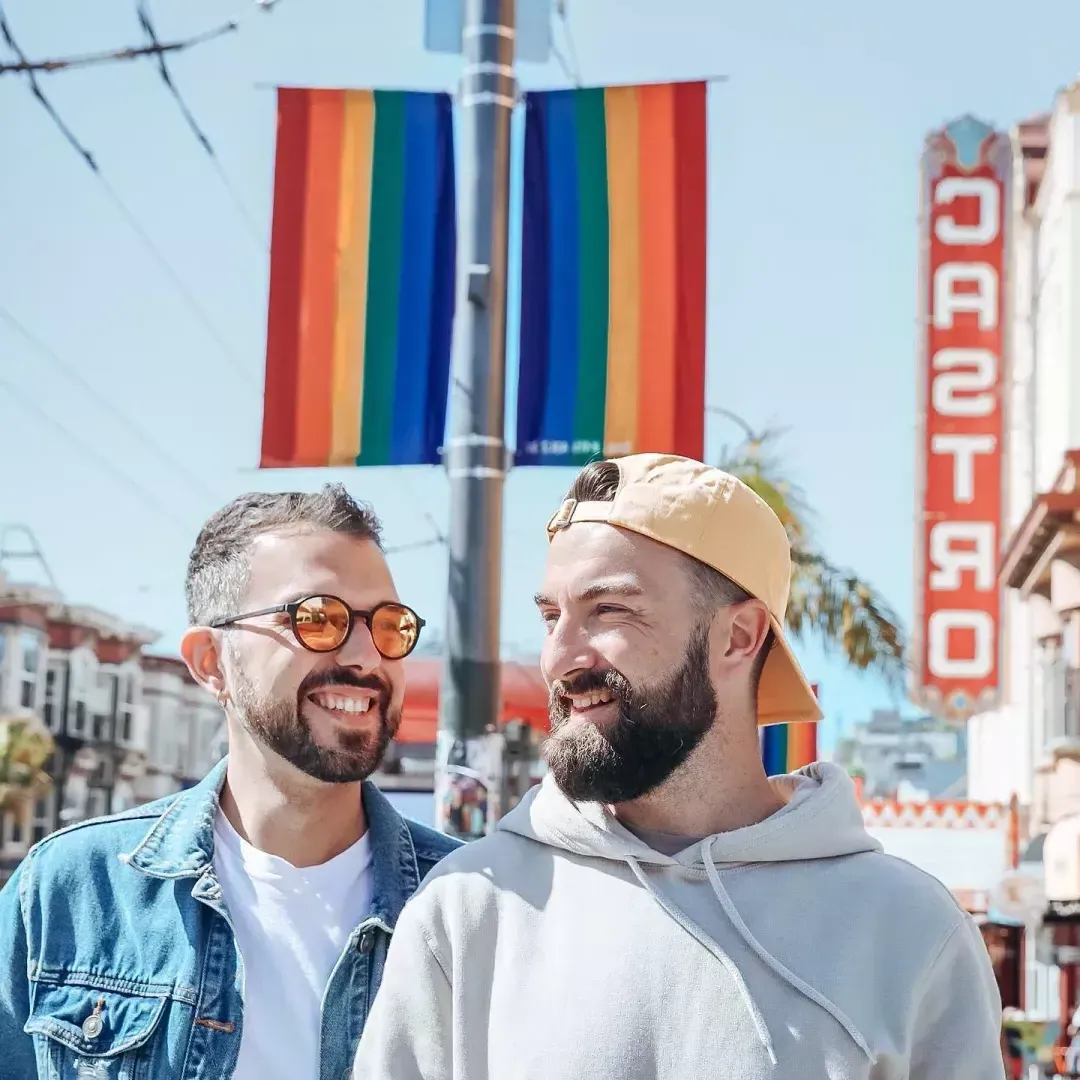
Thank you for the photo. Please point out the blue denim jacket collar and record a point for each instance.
(180, 844)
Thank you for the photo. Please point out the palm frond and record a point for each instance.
(847, 614)
(758, 465)
(835, 605)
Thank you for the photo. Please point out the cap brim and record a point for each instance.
(784, 695)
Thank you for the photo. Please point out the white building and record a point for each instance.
(1031, 745)
(186, 732)
(127, 727)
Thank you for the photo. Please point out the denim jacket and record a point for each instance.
(118, 960)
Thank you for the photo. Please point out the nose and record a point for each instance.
(359, 651)
(567, 652)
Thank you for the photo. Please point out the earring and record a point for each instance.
(222, 698)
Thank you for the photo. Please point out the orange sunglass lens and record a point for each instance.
(322, 623)
(394, 630)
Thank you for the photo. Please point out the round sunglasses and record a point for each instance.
(323, 623)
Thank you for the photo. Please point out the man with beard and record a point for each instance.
(658, 908)
(238, 929)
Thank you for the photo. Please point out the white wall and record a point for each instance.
(1043, 421)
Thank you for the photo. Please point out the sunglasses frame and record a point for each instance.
(292, 608)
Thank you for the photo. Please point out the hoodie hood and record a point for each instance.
(820, 819)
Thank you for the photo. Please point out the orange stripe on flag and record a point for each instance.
(656, 401)
(314, 408)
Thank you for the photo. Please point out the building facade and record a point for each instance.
(906, 759)
(1029, 746)
(126, 727)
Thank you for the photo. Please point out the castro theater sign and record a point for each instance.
(966, 170)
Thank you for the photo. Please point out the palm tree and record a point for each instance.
(842, 610)
(25, 748)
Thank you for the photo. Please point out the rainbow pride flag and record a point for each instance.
(361, 279)
(612, 355)
(787, 747)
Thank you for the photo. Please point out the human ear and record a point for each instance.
(200, 648)
(748, 628)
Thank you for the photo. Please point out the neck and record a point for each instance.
(719, 789)
(285, 813)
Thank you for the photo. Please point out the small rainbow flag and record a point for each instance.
(361, 279)
(787, 747)
(612, 355)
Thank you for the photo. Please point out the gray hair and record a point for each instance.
(220, 564)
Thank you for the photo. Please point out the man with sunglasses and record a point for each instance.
(238, 929)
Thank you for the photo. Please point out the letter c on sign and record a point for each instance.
(979, 187)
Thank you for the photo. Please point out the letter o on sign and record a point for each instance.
(940, 660)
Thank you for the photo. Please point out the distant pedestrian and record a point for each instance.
(238, 929)
(659, 909)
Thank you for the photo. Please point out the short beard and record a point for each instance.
(280, 725)
(657, 728)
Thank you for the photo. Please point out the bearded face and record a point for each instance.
(284, 725)
(612, 742)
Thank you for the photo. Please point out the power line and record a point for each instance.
(156, 48)
(118, 415)
(196, 309)
(239, 205)
(91, 453)
(416, 545)
(573, 70)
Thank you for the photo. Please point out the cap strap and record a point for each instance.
(572, 510)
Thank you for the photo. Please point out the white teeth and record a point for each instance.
(342, 704)
(587, 701)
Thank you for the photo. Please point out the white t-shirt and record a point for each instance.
(291, 928)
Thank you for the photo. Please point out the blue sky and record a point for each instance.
(814, 146)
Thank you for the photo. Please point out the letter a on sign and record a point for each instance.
(966, 171)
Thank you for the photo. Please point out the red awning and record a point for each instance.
(524, 697)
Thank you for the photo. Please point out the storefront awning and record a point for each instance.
(524, 697)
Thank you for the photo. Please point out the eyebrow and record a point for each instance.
(595, 592)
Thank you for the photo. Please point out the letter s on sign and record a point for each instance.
(978, 385)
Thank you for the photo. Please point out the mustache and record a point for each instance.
(588, 682)
(342, 676)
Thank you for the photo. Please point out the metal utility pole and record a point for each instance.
(468, 761)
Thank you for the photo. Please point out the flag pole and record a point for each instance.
(468, 747)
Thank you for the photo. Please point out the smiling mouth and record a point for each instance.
(581, 703)
(340, 704)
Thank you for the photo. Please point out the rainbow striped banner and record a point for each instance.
(788, 747)
(612, 356)
(361, 279)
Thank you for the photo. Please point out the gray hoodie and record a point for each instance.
(564, 948)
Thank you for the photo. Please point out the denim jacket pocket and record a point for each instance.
(86, 1033)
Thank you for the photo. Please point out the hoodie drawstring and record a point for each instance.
(774, 965)
(696, 932)
(804, 988)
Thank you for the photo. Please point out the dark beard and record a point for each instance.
(658, 727)
(281, 726)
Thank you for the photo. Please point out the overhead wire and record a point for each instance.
(90, 452)
(571, 70)
(143, 12)
(133, 222)
(121, 418)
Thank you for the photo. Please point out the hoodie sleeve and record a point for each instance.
(408, 1034)
(958, 1023)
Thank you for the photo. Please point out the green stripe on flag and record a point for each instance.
(591, 130)
(384, 277)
